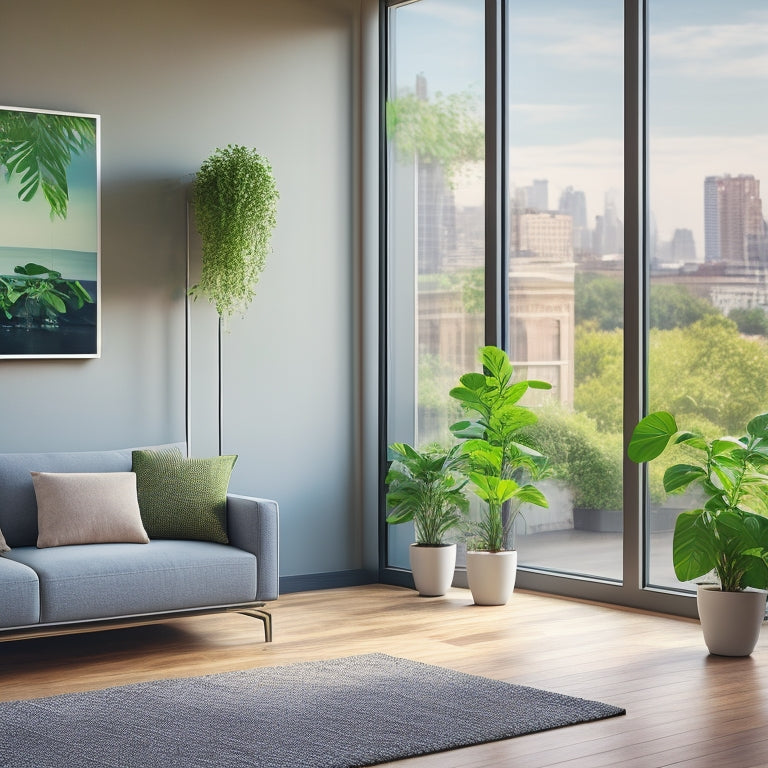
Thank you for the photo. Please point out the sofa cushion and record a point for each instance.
(87, 508)
(95, 581)
(18, 509)
(183, 498)
(20, 591)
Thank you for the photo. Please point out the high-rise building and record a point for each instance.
(734, 231)
(712, 219)
(609, 228)
(573, 203)
(537, 195)
(547, 236)
(683, 248)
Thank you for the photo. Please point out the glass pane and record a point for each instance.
(566, 271)
(708, 246)
(435, 219)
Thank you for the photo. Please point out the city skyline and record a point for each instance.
(706, 63)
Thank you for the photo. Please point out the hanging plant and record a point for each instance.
(235, 202)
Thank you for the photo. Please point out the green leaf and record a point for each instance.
(51, 299)
(755, 530)
(30, 269)
(401, 516)
(468, 430)
(756, 569)
(725, 445)
(512, 394)
(680, 476)
(473, 380)
(691, 439)
(651, 436)
(496, 362)
(694, 552)
(494, 490)
(758, 426)
(464, 395)
(529, 494)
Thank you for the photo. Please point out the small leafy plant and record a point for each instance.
(38, 292)
(500, 468)
(424, 486)
(729, 532)
(235, 204)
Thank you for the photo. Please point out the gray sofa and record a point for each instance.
(81, 587)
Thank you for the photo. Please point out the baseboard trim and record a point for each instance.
(309, 582)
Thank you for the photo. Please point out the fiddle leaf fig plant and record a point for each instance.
(424, 486)
(235, 203)
(728, 533)
(501, 469)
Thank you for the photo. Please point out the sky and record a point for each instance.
(707, 93)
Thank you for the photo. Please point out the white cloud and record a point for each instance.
(713, 51)
(576, 42)
(541, 114)
(450, 13)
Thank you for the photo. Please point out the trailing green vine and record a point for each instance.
(235, 203)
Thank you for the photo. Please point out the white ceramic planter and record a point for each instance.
(491, 576)
(433, 568)
(730, 621)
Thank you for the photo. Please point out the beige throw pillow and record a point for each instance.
(3, 546)
(87, 508)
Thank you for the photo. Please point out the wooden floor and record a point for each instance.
(684, 708)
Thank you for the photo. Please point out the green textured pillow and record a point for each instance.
(183, 498)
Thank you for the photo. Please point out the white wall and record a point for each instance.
(172, 81)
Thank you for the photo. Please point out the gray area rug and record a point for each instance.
(355, 711)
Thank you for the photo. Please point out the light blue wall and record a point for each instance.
(173, 80)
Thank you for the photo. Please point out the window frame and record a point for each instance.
(633, 590)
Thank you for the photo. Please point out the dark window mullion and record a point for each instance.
(635, 359)
(496, 176)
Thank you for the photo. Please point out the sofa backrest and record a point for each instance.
(18, 506)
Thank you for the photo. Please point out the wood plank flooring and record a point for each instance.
(684, 708)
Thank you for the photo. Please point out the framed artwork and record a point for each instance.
(50, 240)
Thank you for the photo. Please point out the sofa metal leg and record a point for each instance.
(261, 615)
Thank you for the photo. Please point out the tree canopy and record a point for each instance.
(445, 130)
(706, 370)
(600, 300)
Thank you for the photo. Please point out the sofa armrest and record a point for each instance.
(252, 525)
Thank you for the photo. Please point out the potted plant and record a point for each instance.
(499, 469)
(235, 202)
(424, 487)
(728, 533)
(38, 296)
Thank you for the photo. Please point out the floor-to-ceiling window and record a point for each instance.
(566, 270)
(634, 249)
(435, 142)
(708, 247)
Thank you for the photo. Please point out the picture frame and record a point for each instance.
(50, 234)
